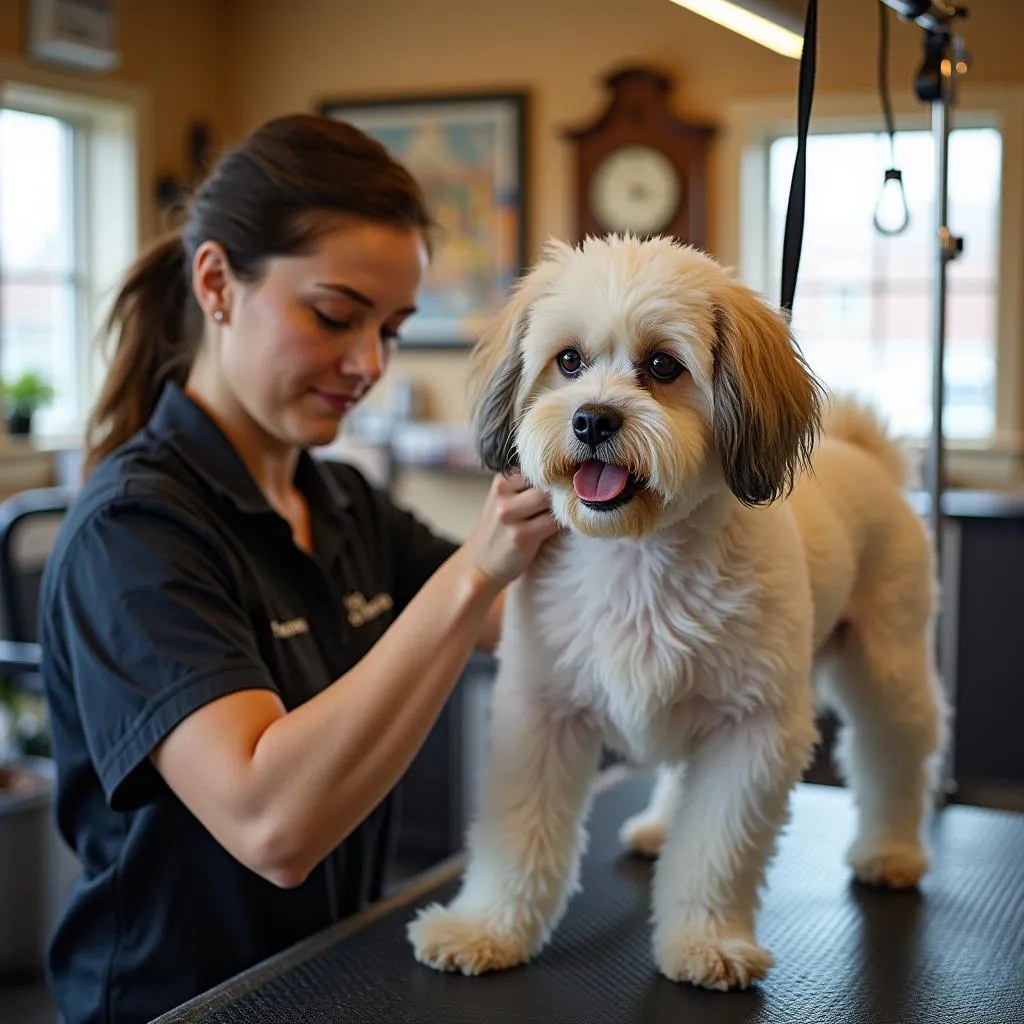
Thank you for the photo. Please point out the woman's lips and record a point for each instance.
(336, 402)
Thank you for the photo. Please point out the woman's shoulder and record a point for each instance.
(137, 479)
(141, 472)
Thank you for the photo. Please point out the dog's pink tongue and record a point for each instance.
(599, 481)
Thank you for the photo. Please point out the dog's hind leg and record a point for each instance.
(525, 846)
(645, 832)
(883, 685)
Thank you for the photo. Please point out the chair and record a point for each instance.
(29, 522)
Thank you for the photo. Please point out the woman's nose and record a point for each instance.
(366, 356)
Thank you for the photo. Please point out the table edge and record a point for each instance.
(410, 891)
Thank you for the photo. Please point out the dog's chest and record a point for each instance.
(645, 634)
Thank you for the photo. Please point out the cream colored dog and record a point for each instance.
(703, 577)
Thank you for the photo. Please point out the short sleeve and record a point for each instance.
(419, 552)
(152, 627)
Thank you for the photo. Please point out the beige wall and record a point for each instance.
(234, 63)
(176, 52)
(290, 55)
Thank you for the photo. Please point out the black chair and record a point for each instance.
(29, 521)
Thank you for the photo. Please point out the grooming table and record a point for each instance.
(952, 952)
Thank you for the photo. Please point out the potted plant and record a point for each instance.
(23, 397)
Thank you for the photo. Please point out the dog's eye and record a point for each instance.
(570, 361)
(663, 367)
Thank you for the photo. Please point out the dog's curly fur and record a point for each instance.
(687, 626)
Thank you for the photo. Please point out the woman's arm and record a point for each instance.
(490, 634)
(280, 790)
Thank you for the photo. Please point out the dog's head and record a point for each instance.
(631, 379)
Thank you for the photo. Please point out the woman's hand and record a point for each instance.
(514, 523)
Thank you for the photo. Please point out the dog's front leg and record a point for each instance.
(708, 878)
(525, 845)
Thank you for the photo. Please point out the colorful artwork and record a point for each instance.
(467, 154)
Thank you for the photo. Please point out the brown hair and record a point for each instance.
(260, 201)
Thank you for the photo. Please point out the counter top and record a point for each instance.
(964, 504)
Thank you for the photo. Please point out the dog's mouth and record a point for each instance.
(603, 486)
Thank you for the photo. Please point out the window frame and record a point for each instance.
(114, 210)
(77, 279)
(742, 227)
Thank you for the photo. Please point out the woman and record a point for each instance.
(245, 648)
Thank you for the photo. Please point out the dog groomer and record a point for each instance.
(244, 648)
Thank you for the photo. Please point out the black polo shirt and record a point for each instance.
(173, 582)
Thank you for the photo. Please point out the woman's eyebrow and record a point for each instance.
(344, 289)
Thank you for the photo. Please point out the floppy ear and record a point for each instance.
(767, 404)
(497, 367)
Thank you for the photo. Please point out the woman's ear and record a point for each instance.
(212, 280)
(767, 404)
(496, 375)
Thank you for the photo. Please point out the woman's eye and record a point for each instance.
(664, 367)
(330, 324)
(570, 361)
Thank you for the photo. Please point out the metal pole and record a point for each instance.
(944, 59)
(936, 459)
(936, 84)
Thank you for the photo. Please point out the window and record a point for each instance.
(864, 307)
(69, 226)
(41, 282)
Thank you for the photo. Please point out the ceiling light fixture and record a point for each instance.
(772, 24)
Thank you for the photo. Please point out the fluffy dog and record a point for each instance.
(717, 562)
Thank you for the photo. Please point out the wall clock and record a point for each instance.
(639, 167)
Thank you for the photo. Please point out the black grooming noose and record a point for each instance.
(793, 239)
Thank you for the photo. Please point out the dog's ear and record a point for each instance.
(496, 367)
(767, 403)
(496, 372)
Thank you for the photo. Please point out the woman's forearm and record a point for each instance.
(318, 771)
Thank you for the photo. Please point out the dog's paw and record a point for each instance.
(451, 941)
(643, 833)
(888, 865)
(718, 962)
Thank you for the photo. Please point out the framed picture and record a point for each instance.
(468, 154)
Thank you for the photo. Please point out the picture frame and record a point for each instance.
(468, 151)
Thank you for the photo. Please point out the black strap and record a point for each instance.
(793, 240)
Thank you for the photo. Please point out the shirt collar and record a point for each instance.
(186, 427)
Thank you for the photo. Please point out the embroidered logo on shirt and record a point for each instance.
(360, 611)
(293, 627)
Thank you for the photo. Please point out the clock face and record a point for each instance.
(637, 189)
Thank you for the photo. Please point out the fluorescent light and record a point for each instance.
(741, 18)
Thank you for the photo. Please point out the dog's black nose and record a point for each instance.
(594, 424)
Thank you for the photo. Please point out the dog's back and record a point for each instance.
(862, 538)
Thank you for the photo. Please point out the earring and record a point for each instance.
(218, 315)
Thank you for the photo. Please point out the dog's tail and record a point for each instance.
(848, 419)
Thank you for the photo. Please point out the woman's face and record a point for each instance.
(300, 346)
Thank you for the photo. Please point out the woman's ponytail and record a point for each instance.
(155, 325)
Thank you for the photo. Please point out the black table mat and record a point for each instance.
(952, 952)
